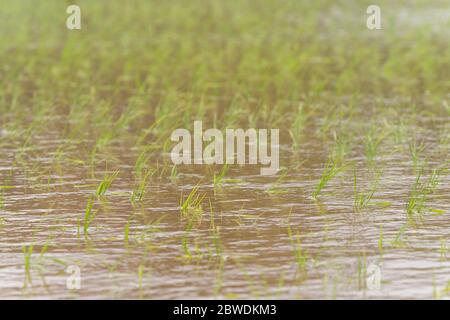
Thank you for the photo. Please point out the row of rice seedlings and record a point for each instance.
(174, 173)
(311, 82)
(133, 109)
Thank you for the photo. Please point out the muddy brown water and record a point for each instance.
(256, 257)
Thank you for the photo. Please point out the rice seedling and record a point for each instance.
(27, 252)
(443, 250)
(215, 233)
(301, 256)
(88, 215)
(362, 199)
(372, 144)
(2, 199)
(341, 147)
(275, 187)
(331, 170)
(416, 205)
(185, 246)
(219, 178)
(108, 98)
(141, 186)
(298, 125)
(380, 241)
(126, 232)
(400, 239)
(362, 271)
(106, 183)
(174, 173)
(416, 150)
(192, 205)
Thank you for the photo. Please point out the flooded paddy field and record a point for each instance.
(92, 206)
